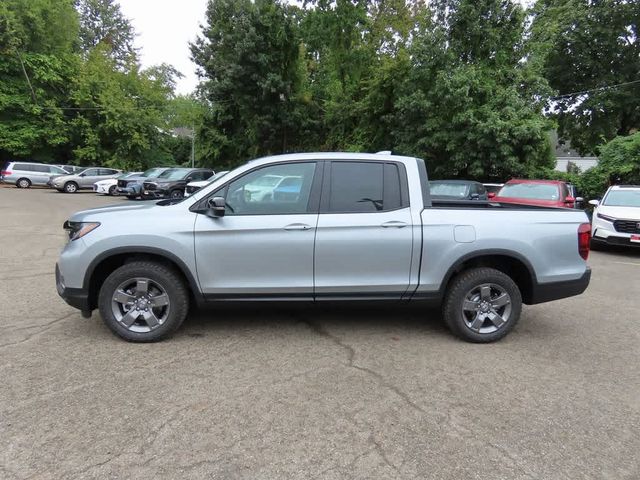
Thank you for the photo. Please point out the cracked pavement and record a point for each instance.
(309, 393)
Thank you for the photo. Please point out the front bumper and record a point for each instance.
(604, 232)
(547, 292)
(149, 194)
(76, 297)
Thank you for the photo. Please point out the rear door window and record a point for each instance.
(364, 187)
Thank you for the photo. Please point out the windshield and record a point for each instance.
(174, 174)
(152, 172)
(623, 198)
(446, 189)
(536, 191)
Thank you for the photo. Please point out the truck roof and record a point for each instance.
(336, 156)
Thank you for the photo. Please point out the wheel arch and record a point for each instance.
(508, 262)
(107, 262)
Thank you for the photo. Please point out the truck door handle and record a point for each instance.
(297, 226)
(394, 224)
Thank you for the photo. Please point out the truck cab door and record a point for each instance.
(364, 239)
(262, 248)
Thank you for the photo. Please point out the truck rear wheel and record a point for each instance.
(143, 301)
(482, 305)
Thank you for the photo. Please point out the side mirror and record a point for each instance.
(216, 207)
(475, 196)
(491, 194)
(569, 199)
(82, 175)
(595, 203)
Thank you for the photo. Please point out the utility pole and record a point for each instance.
(193, 146)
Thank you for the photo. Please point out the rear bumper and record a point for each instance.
(76, 297)
(547, 292)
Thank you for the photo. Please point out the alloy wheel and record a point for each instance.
(140, 304)
(486, 308)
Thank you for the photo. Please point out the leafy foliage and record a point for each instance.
(248, 55)
(102, 23)
(36, 68)
(585, 45)
(461, 83)
(619, 164)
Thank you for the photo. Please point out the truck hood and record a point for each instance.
(625, 213)
(94, 214)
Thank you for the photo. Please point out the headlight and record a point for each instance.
(163, 185)
(79, 229)
(605, 217)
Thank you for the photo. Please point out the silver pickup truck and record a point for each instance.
(321, 227)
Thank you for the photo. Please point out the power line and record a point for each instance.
(605, 87)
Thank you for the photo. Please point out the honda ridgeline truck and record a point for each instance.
(350, 227)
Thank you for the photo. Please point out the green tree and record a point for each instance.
(619, 163)
(121, 117)
(248, 58)
(103, 23)
(470, 106)
(586, 45)
(37, 64)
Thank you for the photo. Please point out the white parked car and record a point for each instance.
(193, 187)
(616, 218)
(110, 185)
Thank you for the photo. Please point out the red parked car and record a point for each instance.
(548, 193)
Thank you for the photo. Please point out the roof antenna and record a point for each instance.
(384, 152)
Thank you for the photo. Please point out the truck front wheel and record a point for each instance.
(143, 301)
(482, 305)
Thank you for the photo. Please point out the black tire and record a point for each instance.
(112, 190)
(23, 183)
(160, 274)
(463, 287)
(70, 187)
(176, 194)
(132, 197)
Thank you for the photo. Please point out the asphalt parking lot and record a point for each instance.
(304, 393)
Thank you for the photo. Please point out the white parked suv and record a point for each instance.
(616, 218)
(110, 185)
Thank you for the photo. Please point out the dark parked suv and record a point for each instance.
(171, 183)
(132, 186)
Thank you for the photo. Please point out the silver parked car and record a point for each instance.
(25, 174)
(346, 227)
(84, 179)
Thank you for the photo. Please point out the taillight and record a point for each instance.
(584, 239)
(5, 173)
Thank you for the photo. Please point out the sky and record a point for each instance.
(164, 29)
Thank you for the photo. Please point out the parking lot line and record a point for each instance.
(628, 263)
